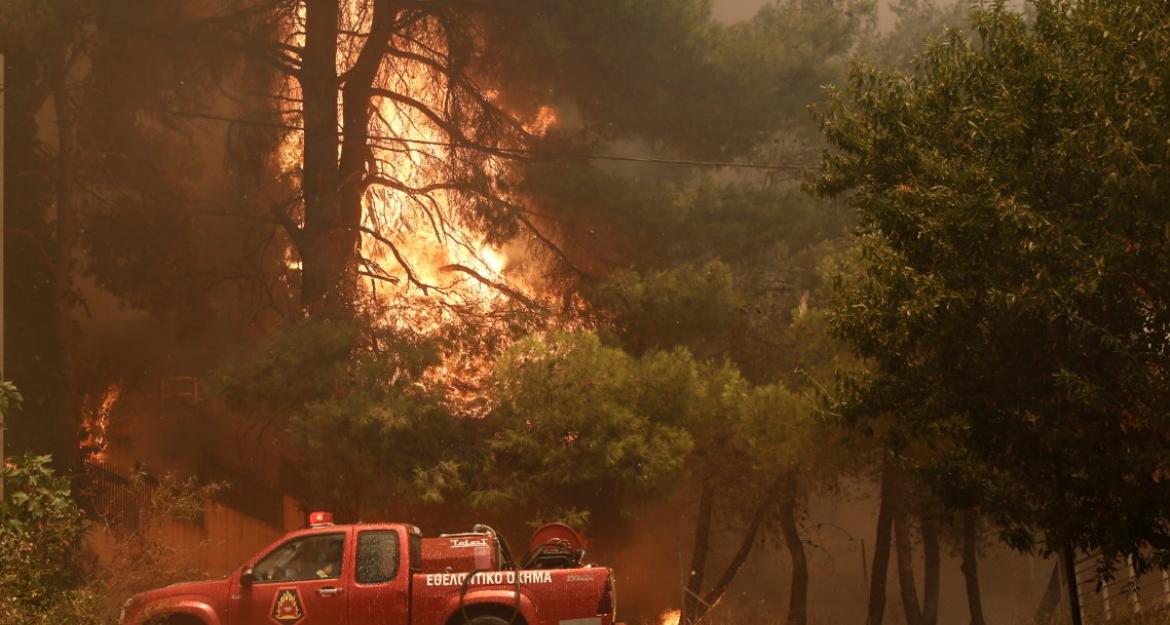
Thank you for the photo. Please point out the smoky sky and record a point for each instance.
(735, 10)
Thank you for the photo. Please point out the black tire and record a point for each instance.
(487, 615)
(175, 619)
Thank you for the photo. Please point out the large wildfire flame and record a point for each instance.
(455, 272)
(428, 229)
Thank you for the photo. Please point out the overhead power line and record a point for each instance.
(503, 150)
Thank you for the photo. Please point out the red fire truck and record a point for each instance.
(388, 574)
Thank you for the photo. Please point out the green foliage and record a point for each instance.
(580, 420)
(33, 496)
(42, 542)
(10, 398)
(45, 568)
(918, 21)
(301, 365)
(355, 403)
(582, 429)
(740, 263)
(147, 230)
(1013, 236)
(665, 71)
(681, 305)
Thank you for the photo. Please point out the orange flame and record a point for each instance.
(96, 423)
(670, 617)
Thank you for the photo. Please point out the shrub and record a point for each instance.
(43, 553)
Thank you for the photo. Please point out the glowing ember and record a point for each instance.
(96, 422)
(546, 118)
(669, 617)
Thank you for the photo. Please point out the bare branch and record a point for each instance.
(552, 247)
(499, 286)
(411, 276)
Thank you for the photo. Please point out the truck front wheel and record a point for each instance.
(483, 616)
(487, 619)
(175, 619)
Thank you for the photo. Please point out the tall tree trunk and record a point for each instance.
(1051, 598)
(317, 241)
(767, 503)
(691, 608)
(904, 557)
(970, 567)
(69, 416)
(798, 591)
(32, 352)
(881, 548)
(931, 574)
(329, 241)
(355, 151)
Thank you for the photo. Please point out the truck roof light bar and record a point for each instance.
(320, 519)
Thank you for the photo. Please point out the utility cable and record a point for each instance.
(504, 150)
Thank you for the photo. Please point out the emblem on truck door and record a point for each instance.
(286, 606)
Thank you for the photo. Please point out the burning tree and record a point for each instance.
(415, 130)
(398, 155)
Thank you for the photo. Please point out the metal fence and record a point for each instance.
(113, 496)
(1124, 596)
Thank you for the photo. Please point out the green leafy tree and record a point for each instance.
(1013, 295)
(732, 272)
(916, 22)
(43, 555)
(585, 428)
(725, 267)
(361, 421)
(38, 41)
(663, 70)
(585, 431)
(88, 172)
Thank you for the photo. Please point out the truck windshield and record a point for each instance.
(304, 558)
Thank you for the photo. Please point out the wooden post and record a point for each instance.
(1134, 599)
(1070, 578)
(1106, 604)
(1031, 578)
(864, 567)
(2, 236)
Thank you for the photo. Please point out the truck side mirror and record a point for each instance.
(247, 577)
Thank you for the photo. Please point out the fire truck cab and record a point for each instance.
(388, 574)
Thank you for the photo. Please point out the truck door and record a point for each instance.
(300, 582)
(380, 592)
